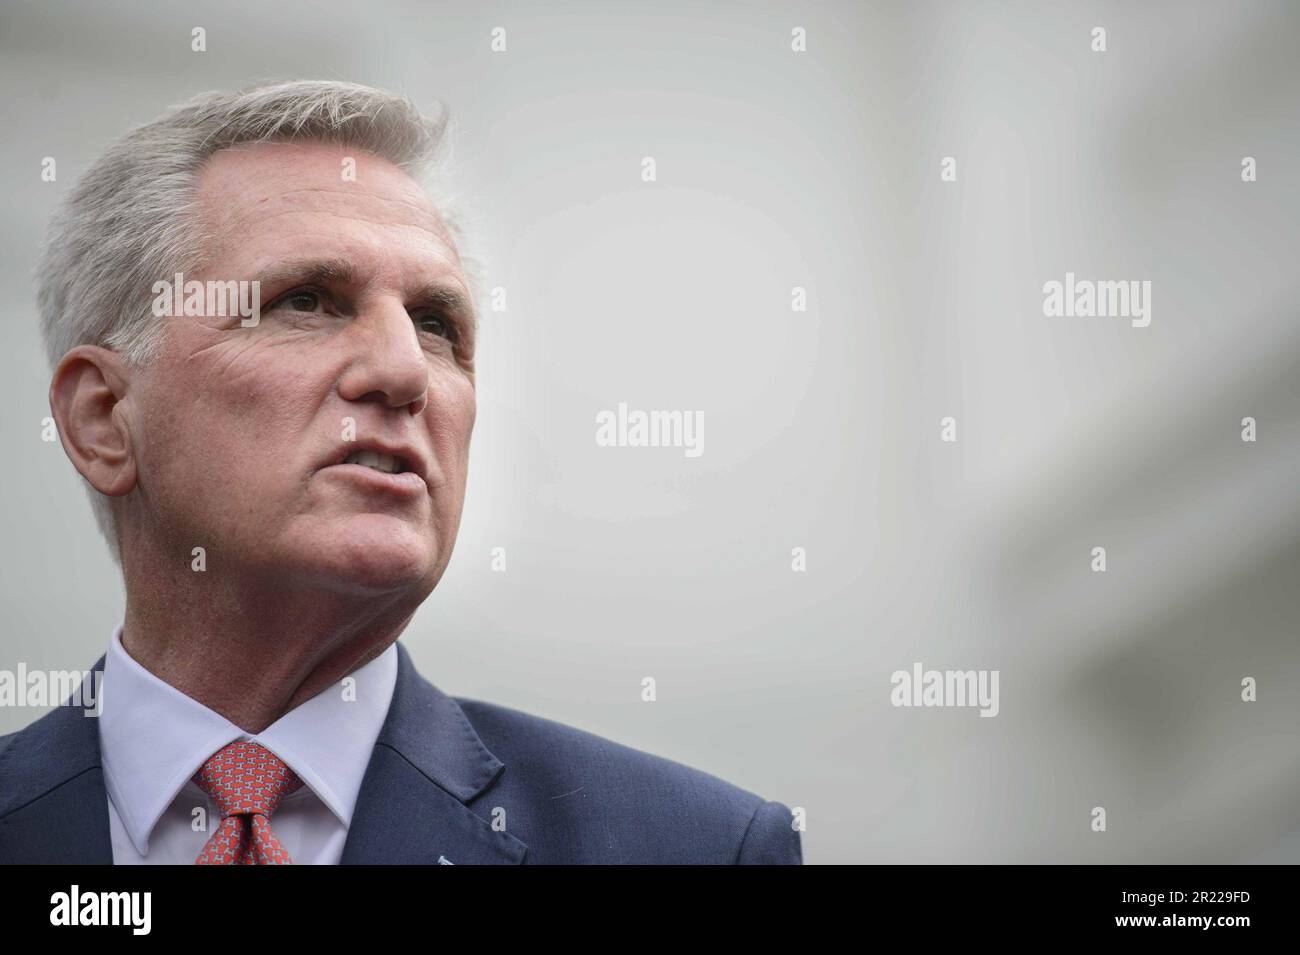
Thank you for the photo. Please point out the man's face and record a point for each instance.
(241, 434)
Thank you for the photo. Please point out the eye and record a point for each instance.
(436, 325)
(303, 300)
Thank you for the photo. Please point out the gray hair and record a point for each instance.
(132, 217)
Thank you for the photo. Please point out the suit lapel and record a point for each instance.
(53, 806)
(427, 763)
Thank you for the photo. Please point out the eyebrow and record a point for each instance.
(316, 271)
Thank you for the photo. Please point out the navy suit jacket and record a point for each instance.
(442, 769)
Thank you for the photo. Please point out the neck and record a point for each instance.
(253, 650)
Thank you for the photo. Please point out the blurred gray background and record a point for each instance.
(820, 170)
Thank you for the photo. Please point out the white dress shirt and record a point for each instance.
(153, 738)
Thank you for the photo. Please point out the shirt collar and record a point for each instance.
(153, 737)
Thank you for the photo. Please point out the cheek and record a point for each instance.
(228, 429)
(450, 416)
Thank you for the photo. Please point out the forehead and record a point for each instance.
(255, 197)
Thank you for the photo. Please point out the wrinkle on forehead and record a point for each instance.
(340, 201)
(241, 187)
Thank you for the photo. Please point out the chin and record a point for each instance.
(376, 554)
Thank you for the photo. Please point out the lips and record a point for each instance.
(381, 465)
(388, 463)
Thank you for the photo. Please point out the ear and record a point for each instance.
(85, 396)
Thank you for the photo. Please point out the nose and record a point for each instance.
(387, 363)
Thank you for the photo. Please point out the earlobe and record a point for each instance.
(88, 387)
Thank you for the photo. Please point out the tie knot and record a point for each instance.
(245, 777)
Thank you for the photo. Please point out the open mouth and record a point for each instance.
(387, 463)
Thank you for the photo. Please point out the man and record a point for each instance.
(279, 461)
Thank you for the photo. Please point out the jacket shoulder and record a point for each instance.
(585, 798)
(30, 762)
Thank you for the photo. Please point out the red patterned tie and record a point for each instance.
(247, 782)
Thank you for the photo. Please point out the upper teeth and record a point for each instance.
(372, 459)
